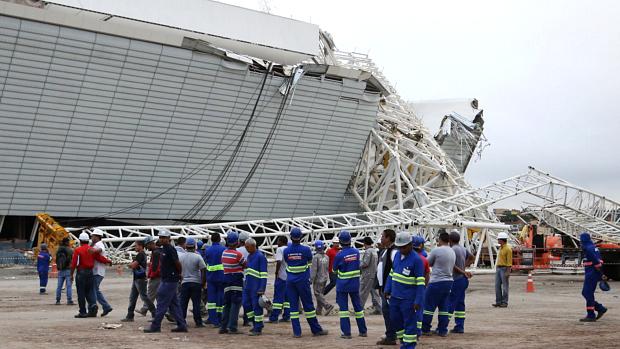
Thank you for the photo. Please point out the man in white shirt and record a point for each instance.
(99, 270)
(280, 301)
(386, 259)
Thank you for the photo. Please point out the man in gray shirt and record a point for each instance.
(194, 280)
(441, 260)
(368, 266)
(464, 259)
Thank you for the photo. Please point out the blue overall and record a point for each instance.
(405, 285)
(437, 296)
(347, 268)
(215, 282)
(280, 301)
(43, 266)
(591, 261)
(298, 260)
(255, 285)
(457, 302)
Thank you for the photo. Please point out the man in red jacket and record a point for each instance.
(331, 253)
(84, 260)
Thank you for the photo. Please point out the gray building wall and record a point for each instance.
(91, 124)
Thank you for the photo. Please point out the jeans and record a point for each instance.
(232, 304)
(193, 291)
(138, 288)
(332, 283)
(99, 296)
(64, 277)
(151, 292)
(167, 298)
(501, 285)
(390, 333)
(85, 284)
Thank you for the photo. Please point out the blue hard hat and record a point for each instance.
(200, 243)
(417, 241)
(232, 237)
(319, 244)
(604, 285)
(190, 242)
(344, 237)
(296, 234)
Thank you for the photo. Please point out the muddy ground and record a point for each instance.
(547, 318)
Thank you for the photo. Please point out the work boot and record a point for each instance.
(454, 330)
(81, 316)
(253, 333)
(106, 312)
(151, 330)
(363, 334)
(223, 331)
(503, 305)
(234, 331)
(321, 333)
(496, 305)
(57, 303)
(344, 336)
(70, 303)
(441, 334)
(296, 336)
(127, 319)
(179, 329)
(170, 318)
(142, 312)
(386, 341)
(601, 313)
(588, 319)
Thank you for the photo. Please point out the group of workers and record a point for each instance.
(232, 276)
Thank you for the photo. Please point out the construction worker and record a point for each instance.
(319, 277)
(298, 259)
(331, 253)
(193, 281)
(593, 274)
(153, 273)
(233, 263)
(461, 277)
(386, 258)
(43, 267)
(437, 296)
(347, 267)
(99, 270)
(64, 254)
(280, 301)
(368, 267)
(215, 280)
(405, 290)
(255, 283)
(418, 247)
(84, 261)
(171, 271)
(245, 299)
(139, 283)
(503, 266)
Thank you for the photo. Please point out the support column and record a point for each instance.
(35, 228)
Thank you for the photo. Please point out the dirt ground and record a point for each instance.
(546, 318)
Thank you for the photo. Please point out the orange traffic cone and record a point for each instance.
(54, 273)
(530, 283)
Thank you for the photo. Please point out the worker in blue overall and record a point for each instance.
(255, 283)
(215, 280)
(405, 290)
(298, 259)
(43, 266)
(442, 260)
(592, 263)
(347, 269)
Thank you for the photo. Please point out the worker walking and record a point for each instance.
(64, 254)
(347, 268)
(215, 280)
(593, 274)
(368, 267)
(255, 284)
(193, 281)
(405, 290)
(331, 253)
(233, 263)
(437, 296)
(43, 267)
(171, 271)
(139, 284)
(280, 301)
(84, 261)
(298, 259)
(461, 277)
(99, 270)
(153, 273)
(319, 277)
(503, 267)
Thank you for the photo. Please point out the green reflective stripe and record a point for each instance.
(426, 312)
(250, 314)
(277, 306)
(419, 324)
(296, 269)
(400, 334)
(359, 314)
(444, 313)
(310, 314)
(294, 315)
(258, 318)
(400, 278)
(348, 274)
(211, 306)
(220, 309)
(215, 267)
(287, 305)
(343, 313)
(410, 338)
(252, 272)
(264, 275)
(459, 314)
(420, 278)
(420, 283)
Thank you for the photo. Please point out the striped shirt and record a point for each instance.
(233, 262)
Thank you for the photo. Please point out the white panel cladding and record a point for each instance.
(92, 123)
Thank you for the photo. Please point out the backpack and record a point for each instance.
(62, 259)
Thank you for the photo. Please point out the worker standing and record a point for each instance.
(386, 260)
(418, 247)
(347, 268)
(298, 259)
(255, 283)
(139, 283)
(43, 267)
(153, 273)
(503, 267)
(64, 254)
(171, 271)
(84, 261)
(319, 277)
(245, 299)
(405, 289)
(99, 270)
(215, 280)
(233, 263)
(437, 296)
(593, 274)
(192, 282)
(331, 253)
(368, 267)
(461, 277)
(280, 301)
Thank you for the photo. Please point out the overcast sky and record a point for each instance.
(547, 73)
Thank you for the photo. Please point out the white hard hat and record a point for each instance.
(97, 232)
(265, 302)
(244, 235)
(403, 238)
(84, 236)
(502, 235)
(335, 240)
(163, 232)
